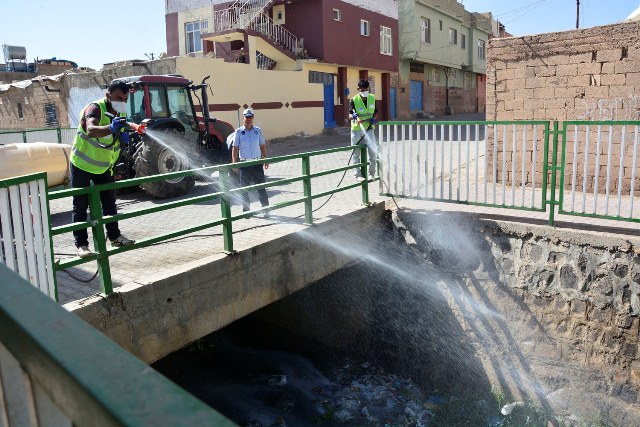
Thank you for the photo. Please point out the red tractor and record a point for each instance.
(175, 137)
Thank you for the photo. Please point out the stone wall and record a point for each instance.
(38, 105)
(588, 74)
(569, 300)
(14, 76)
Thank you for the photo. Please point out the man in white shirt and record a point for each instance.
(249, 144)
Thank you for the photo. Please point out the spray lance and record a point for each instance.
(355, 118)
(139, 128)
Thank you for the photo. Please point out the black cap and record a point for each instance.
(363, 84)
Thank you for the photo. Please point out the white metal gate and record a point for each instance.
(25, 241)
(484, 163)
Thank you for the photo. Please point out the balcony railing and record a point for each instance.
(277, 33)
(249, 14)
(264, 62)
(238, 15)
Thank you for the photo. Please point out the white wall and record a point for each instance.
(384, 7)
(173, 6)
(80, 98)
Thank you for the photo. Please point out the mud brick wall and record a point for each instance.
(29, 107)
(589, 74)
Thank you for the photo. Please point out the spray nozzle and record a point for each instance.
(139, 128)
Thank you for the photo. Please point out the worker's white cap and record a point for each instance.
(248, 112)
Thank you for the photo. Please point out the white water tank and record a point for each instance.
(12, 53)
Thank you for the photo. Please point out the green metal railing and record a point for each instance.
(443, 149)
(97, 221)
(50, 374)
(510, 183)
(58, 135)
(613, 147)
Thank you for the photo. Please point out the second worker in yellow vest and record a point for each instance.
(363, 116)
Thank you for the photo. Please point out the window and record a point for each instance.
(179, 106)
(193, 31)
(468, 83)
(425, 29)
(440, 25)
(372, 84)
(50, 116)
(364, 28)
(278, 14)
(463, 41)
(480, 49)
(20, 112)
(435, 75)
(385, 41)
(416, 67)
(320, 77)
(158, 96)
(453, 36)
(337, 15)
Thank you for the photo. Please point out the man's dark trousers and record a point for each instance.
(80, 178)
(253, 174)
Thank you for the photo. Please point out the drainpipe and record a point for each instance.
(447, 107)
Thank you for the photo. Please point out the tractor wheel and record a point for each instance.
(161, 155)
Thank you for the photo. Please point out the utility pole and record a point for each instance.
(577, 14)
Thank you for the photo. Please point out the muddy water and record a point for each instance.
(266, 383)
(354, 349)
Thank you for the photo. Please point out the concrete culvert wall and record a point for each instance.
(465, 305)
(569, 301)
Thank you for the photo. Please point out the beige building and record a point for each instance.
(286, 102)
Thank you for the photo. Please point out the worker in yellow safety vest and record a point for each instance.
(95, 151)
(363, 116)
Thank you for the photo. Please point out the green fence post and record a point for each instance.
(554, 172)
(59, 132)
(306, 185)
(364, 173)
(100, 241)
(225, 210)
(24, 137)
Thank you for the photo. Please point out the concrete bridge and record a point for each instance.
(170, 294)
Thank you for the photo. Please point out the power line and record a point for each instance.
(523, 9)
(526, 10)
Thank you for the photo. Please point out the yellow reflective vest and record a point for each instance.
(364, 112)
(95, 155)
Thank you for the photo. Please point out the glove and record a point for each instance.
(117, 124)
(125, 138)
(372, 121)
(354, 116)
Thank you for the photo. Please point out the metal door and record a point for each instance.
(392, 101)
(329, 116)
(415, 96)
